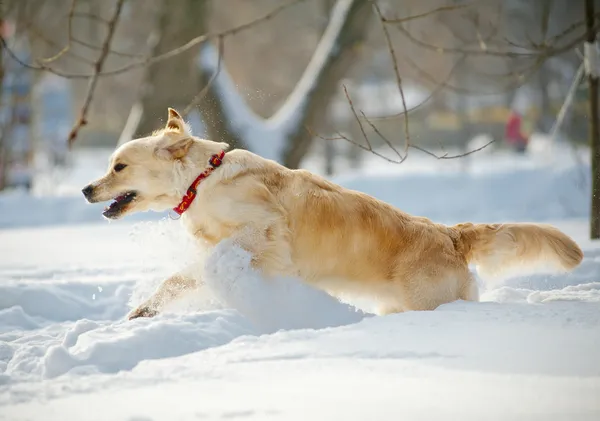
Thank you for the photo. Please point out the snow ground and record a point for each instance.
(244, 348)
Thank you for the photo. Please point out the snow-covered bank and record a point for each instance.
(528, 351)
(533, 194)
(468, 362)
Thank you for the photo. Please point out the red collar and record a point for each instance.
(214, 161)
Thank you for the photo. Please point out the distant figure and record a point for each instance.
(513, 134)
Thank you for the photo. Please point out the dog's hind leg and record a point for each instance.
(170, 290)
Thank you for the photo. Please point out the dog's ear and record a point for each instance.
(175, 122)
(176, 150)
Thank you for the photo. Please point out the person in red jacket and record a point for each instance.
(513, 134)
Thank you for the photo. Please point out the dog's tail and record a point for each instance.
(498, 249)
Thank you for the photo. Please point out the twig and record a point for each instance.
(362, 129)
(401, 158)
(113, 52)
(156, 59)
(524, 75)
(39, 66)
(369, 147)
(70, 35)
(196, 100)
(485, 41)
(384, 138)
(563, 34)
(545, 18)
(433, 92)
(431, 12)
(359, 145)
(36, 34)
(112, 24)
(407, 143)
(544, 52)
(90, 16)
(446, 156)
(397, 74)
(202, 38)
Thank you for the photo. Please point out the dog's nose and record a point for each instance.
(87, 191)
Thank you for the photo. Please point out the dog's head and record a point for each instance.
(152, 173)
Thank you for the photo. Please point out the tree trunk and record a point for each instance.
(330, 145)
(173, 82)
(308, 103)
(545, 116)
(338, 64)
(3, 137)
(169, 84)
(594, 128)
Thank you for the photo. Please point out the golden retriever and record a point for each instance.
(296, 223)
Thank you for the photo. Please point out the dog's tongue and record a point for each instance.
(115, 202)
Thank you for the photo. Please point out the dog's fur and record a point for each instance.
(296, 223)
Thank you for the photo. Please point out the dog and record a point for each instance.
(295, 223)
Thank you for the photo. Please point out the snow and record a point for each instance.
(523, 193)
(246, 347)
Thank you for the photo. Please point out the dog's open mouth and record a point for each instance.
(119, 204)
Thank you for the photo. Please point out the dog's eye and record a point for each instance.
(119, 167)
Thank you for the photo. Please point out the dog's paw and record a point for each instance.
(142, 311)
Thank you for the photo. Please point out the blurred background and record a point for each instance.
(437, 106)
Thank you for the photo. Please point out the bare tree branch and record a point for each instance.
(369, 148)
(520, 78)
(553, 39)
(156, 59)
(396, 71)
(34, 33)
(70, 35)
(90, 16)
(429, 13)
(82, 121)
(401, 156)
(545, 17)
(99, 48)
(545, 51)
(438, 87)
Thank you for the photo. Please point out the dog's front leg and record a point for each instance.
(169, 291)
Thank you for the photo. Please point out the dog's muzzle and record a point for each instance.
(88, 192)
